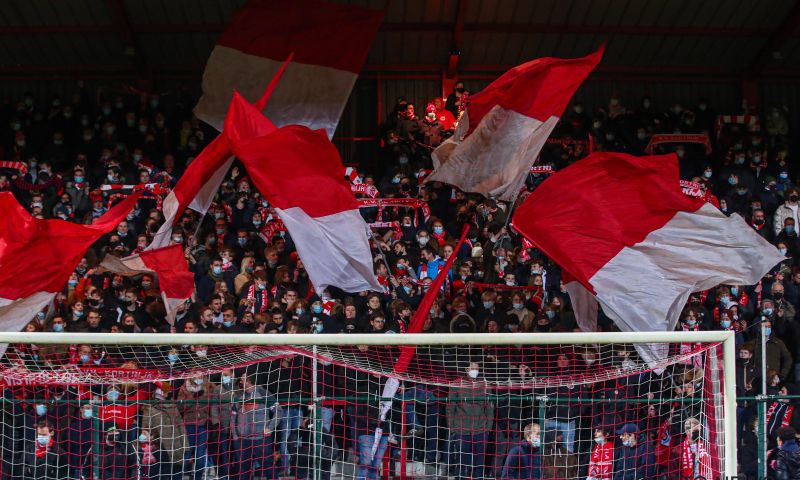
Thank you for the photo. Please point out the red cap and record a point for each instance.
(430, 108)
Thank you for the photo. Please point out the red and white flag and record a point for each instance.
(330, 42)
(301, 175)
(624, 229)
(506, 125)
(38, 256)
(175, 281)
(195, 189)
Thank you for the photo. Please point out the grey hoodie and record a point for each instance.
(253, 413)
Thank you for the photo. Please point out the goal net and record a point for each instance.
(194, 406)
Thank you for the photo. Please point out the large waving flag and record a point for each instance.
(175, 281)
(330, 42)
(506, 125)
(38, 256)
(621, 226)
(198, 185)
(299, 171)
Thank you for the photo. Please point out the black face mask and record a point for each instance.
(127, 328)
(793, 198)
(777, 295)
(461, 90)
(695, 435)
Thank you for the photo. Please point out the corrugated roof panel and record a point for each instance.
(689, 14)
(523, 11)
(541, 13)
(559, 12)
(614, 13)
(653, 12)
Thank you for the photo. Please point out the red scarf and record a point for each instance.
(42, 451)
(690, 459)
(439, 238)
(251, 295)
(602, 461)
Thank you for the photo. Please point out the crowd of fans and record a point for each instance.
(249, 279)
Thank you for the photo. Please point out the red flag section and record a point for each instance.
(38, 256)
(330, 42)
(169, 265)
(310, 195)
(505, 126)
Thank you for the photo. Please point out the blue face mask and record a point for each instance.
(172, 357)
(767, 311)
(735, 291)
(227, 323)
(77, 313)
(217, 270)
(768, 331)
(438, 230)
(299, 311)
(550, 314)
(401, 266)
(318, 328)
(112, 395)
(726, 324)
(789, 229)
(78, 179)
(488, 305)
(600, 440)
(241, 241)
(88, 414)
(517, 306)
(262, 286)
(41, 410)
(43, 440)
(732, 180)
(407, 289)
(226, 379)
(142, 438)
(72, 283)
(316, 309)
(58, 327)
(85, 358)
(536, 442)
(725, 300)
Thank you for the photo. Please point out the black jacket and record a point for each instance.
(787, 465)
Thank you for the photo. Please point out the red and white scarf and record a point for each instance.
(251, 295)
(42, 451)
(694, 464)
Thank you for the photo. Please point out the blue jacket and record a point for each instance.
(634, 463)
(524, 461)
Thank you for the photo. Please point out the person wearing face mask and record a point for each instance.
(524, 315)
(432, 130)
(454, 104)
(200, 413)
(162, 419)
(789, 237)
(788, 209)
(601, 460)
(80, 434)
(524, 460)
(43, 458)
(257, 416)
(430, 264)
(470, 415)
(633, 460)
(778, 356)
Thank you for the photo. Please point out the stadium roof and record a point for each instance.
(669, 38)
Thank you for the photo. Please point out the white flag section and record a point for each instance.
(636, 244)
(694, 251)
(329, 41)
(495, 158)
(505, 126)
(324, 242)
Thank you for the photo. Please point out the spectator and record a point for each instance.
(633, 460)
(787, 461)
(470, 416)
(43, 458)
(525, 459)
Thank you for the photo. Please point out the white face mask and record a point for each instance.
(473, 373)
